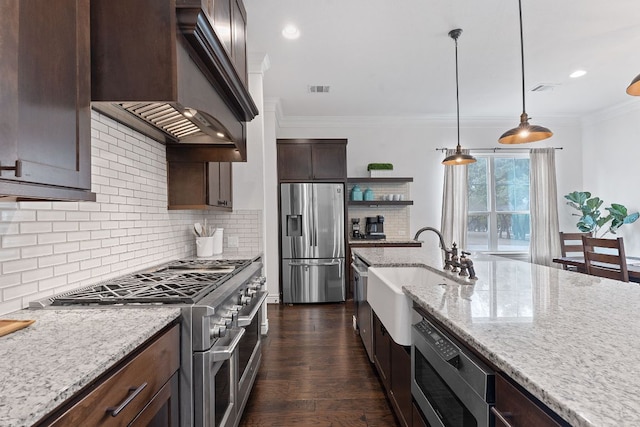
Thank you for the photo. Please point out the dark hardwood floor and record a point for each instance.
(315, 372)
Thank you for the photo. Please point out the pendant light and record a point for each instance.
(634, 87)
(458, 158)
(524, 132)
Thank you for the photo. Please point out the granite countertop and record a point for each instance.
(568, 338)
(47, 362)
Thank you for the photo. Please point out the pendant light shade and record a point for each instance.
(634, 87)
(458, 158)
(524, 132)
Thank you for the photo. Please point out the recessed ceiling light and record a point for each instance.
(291, 32)
(577, 73)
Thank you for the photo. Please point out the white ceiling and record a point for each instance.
(394, 57)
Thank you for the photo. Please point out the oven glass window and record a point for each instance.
(448, 407)
(223, 392)
(248, 343)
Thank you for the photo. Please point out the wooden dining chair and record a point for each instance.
(571, 245)
(605, 258)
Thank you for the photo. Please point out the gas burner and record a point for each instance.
(208, 264)
(162, 287)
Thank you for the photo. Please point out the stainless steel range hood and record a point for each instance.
(159, 67)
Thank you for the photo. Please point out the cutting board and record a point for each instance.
(8, 326)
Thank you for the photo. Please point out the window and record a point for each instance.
(498, 196)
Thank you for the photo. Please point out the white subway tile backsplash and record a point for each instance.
(16, 241)
(53, 247)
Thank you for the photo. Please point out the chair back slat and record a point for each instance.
(605, 258)
(571, 245)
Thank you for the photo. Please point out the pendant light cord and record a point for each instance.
(457, 94)
(521, 54)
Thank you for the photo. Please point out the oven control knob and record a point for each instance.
(218, 331)
(245, 300)
(250, 292)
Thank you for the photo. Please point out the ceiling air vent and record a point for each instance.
(318, 89)
(544, 87)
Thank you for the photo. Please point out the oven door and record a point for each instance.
(249, 349)
(215, 382)
(447, 390)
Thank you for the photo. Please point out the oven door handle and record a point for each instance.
(225, 353)
(246, 320)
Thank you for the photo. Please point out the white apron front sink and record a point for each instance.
(392, 306)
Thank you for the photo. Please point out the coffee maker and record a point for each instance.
(355, 228)
(374, 228)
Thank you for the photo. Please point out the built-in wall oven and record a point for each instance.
(451, 386)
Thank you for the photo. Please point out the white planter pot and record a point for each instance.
(380, 173)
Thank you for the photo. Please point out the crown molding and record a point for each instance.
(630, 106)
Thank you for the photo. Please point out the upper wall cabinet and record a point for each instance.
(312, 159)
(229, 19)
(45, 93)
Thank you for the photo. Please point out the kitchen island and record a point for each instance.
(63, 351)
(567, 338)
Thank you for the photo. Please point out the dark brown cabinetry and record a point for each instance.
(220, 191)
(312, 160)
(46, 119)
(198, 185)
(141, 391)
(393, 363)
(514, 408)
(229, 19)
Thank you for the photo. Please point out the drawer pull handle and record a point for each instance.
(133, 393)
(502, 417)
(17, 169)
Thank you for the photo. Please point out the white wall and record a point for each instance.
(52, 247)
(410, 144)
(611, 170)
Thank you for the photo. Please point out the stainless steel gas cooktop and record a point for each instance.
(178, 282)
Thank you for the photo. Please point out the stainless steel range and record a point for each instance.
(221, 303)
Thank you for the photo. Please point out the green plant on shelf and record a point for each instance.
(591, 217)
(380, 166)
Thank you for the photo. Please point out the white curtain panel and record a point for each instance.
(454, 203)
(545, 238)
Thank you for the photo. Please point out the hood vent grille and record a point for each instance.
(189, 125)
(165, 117)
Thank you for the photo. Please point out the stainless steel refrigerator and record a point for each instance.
(312, 242)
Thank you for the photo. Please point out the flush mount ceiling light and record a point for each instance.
(458, 158)
(291, 32)
(634, 87)
(524, 132)
(577, 73)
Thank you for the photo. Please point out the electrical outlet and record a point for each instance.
(233, 241)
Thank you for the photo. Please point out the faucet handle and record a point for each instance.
(465, 253)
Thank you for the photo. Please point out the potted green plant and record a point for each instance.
(591, 217)
(379, 169)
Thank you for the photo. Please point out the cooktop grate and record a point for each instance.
(164, 287)
(208, 263)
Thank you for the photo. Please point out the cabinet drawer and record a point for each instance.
(513, 408)
(153, 367)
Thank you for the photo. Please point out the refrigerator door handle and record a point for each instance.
(309, 264)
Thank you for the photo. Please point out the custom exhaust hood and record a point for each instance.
(159, 67)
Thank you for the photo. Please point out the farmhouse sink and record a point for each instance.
(392, 306)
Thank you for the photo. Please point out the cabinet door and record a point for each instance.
(513, 408)
(163, 410)
(187, 185)
(220, 189)
(45, 102)
(238, 33)
(382, 351)
(294, 162)
(329, 161)
(401, 382)
(222, 23)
